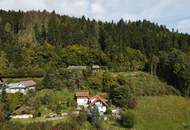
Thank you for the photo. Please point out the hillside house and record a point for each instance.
(21, 87)
(82, 99)
(100, 103)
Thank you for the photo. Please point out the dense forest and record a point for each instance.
(34, 42)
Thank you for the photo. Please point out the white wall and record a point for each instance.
(24, 116)
(101, 107)
(82, 102)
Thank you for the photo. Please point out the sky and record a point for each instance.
(172, 13)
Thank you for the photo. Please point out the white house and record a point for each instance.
(100, 103)
(21, 87)
(82, 99)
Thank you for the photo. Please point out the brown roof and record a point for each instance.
(82, 94)
(28, 83)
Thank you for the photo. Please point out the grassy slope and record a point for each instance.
(162, 113)
(145, 84)
(159, 113)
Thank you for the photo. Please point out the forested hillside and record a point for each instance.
(32, 43)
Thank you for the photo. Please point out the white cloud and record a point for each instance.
(184, 25)
(96, 7)
(21, 4)
(69, 7)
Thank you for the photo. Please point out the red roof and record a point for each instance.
(82, 94)
(98, 98)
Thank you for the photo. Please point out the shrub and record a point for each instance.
(120, 96)
(121, 80)
(127, 119)
(37, 114)
(132, 103)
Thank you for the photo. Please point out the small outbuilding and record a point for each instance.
(82, 98)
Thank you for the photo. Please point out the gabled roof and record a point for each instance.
(82, 94)
(98, 98)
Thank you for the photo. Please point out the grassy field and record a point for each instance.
(163, 113)
(159, 113)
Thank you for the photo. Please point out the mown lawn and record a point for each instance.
(162, 113)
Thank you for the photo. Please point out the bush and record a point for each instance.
(132, 103)
(127, 119)
(121, 80)
(37, 114)
(120, 96)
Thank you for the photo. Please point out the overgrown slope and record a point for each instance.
(142, 83)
